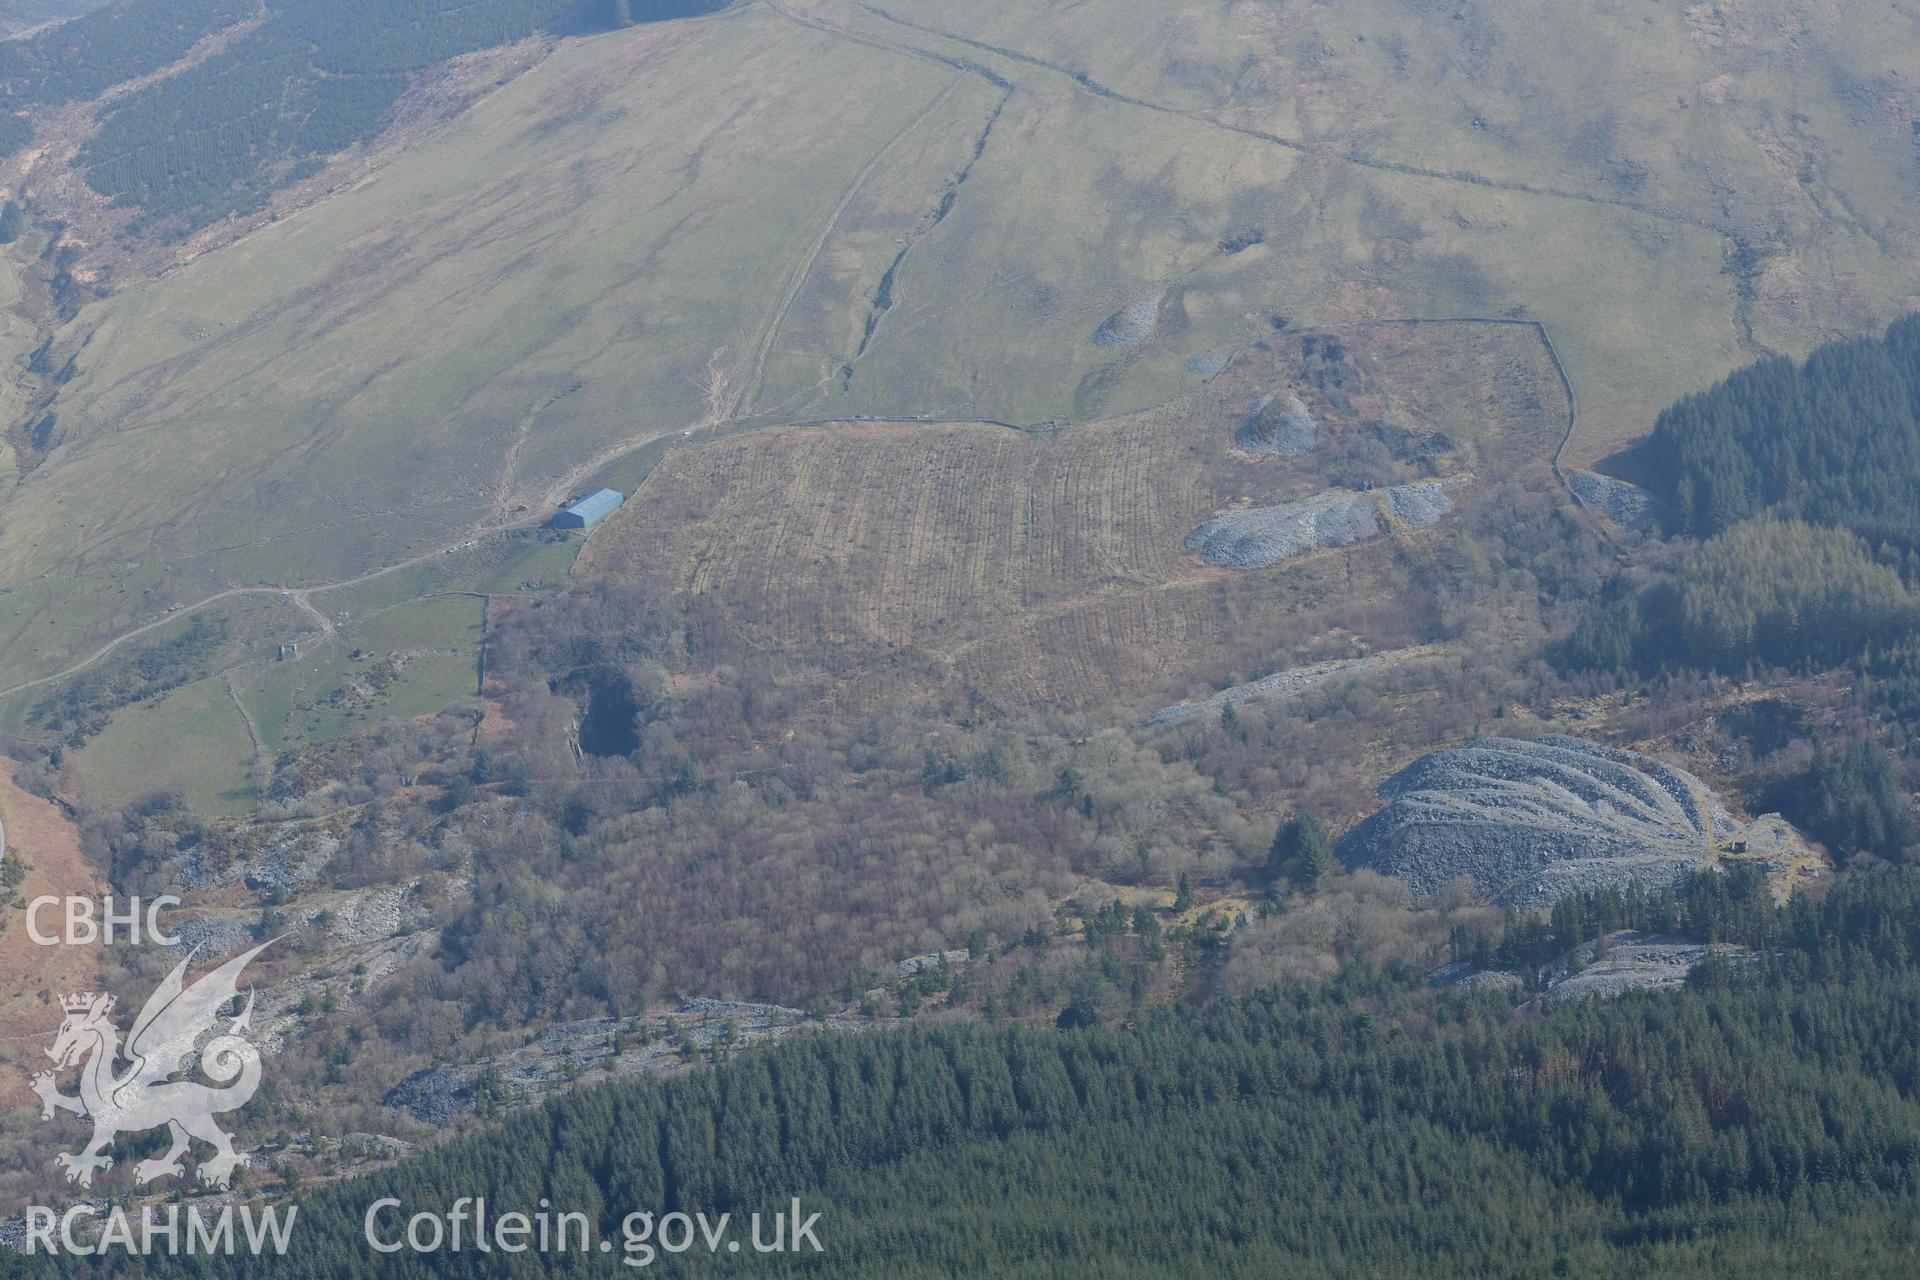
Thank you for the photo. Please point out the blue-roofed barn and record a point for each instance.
(591, 509)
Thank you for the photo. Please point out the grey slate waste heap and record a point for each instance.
(1257, 537)
(1279, 424)
(1531, 822)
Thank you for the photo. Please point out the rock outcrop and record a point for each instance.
(1131, 324)
(1281, 684)
(1629, 961)
(1262, 536)
(290, 859)
(1530, 822)
(600, 1049)
(931, 960)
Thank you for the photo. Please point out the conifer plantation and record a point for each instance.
(930, 640)
(1762, 1122)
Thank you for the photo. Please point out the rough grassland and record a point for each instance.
(1672, 187)
(808, 210)
(38, 833)
(412, 659)
(363, 380)
(1048, 568)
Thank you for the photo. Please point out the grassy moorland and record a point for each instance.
(813, 210)
(1742, 171)
(356, 385)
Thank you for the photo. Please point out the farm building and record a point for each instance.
(591, 509)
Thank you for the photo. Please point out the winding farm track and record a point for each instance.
(301, 597)
(767, 334)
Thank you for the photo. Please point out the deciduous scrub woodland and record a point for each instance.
(796, 776)
(1078, 462)
(1361, 1128)
(762, 818)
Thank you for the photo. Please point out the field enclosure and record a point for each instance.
(826, 209)
(1674, 188)
(1047, 568)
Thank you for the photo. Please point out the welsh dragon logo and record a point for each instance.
(144, 1095)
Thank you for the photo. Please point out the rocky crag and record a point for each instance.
(602, 1049)
(1628, 961)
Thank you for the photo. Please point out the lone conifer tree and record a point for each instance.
(1301, 852)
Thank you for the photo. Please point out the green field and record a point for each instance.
(414, 659)
(401, 660)
(429, 615)
(192, 740)
(213, 738)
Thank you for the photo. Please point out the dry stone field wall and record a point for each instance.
(1531, 822)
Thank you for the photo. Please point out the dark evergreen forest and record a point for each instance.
(1763, 1122)
(76, 60)
(264, 109)
(1793, 496)
(1834, 441)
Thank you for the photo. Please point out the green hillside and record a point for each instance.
(1242, 637)
(340, 392)
(822, 209)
